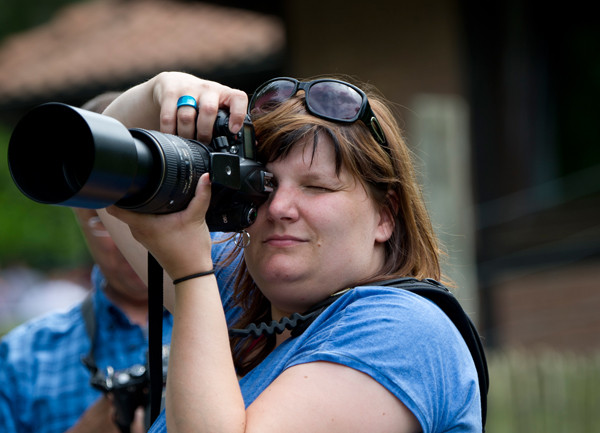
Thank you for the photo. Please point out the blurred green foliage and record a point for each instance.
(42, 236)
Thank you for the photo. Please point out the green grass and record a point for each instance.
(550, 392)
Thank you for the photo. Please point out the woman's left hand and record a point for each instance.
(153, 105)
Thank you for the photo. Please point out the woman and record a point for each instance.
(345, 212)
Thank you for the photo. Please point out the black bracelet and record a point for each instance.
(189, 277)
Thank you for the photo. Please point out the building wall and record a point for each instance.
(550, 309)
(403, 48)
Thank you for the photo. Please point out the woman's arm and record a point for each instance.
(324, 397)
(203, 394)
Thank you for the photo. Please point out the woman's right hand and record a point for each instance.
(179, 241)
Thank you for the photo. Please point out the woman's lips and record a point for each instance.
(283, 240)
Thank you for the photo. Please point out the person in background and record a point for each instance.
(44, 385)
(345, 214)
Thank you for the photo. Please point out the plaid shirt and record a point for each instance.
(44, 387)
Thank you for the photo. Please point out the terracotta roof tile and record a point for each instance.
(104, 41)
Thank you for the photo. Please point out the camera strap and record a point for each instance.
(89, 319)
(155, 322)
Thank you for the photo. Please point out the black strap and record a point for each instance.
(155, 321)
(89, 318)
(443, 298)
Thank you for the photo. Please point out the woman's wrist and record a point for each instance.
(192, 276)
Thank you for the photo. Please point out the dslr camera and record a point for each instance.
(63, 155)
(130, 389)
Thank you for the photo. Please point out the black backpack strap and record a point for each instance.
(443, 298)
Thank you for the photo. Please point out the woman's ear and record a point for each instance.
(387, 221)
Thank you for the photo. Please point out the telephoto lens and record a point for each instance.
(67, 156)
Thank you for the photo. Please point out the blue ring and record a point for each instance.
(187, 101)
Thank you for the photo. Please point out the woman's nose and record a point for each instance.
(282, 204)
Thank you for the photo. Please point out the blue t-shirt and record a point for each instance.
(403, 341)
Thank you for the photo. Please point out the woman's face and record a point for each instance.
(317, 233)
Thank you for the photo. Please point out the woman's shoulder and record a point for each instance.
(388, 318)
(393, 303)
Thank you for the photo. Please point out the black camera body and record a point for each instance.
(63, 155)
(129, 387)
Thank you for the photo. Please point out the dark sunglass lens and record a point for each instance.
(271, 95)
(334, 100)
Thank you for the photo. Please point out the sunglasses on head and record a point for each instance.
(326, 98)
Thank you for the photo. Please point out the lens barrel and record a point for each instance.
(67, 156)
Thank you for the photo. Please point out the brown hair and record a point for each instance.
(388, 176)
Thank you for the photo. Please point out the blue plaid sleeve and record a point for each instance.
(43, 385)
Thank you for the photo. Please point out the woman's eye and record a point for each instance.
(319, 188)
